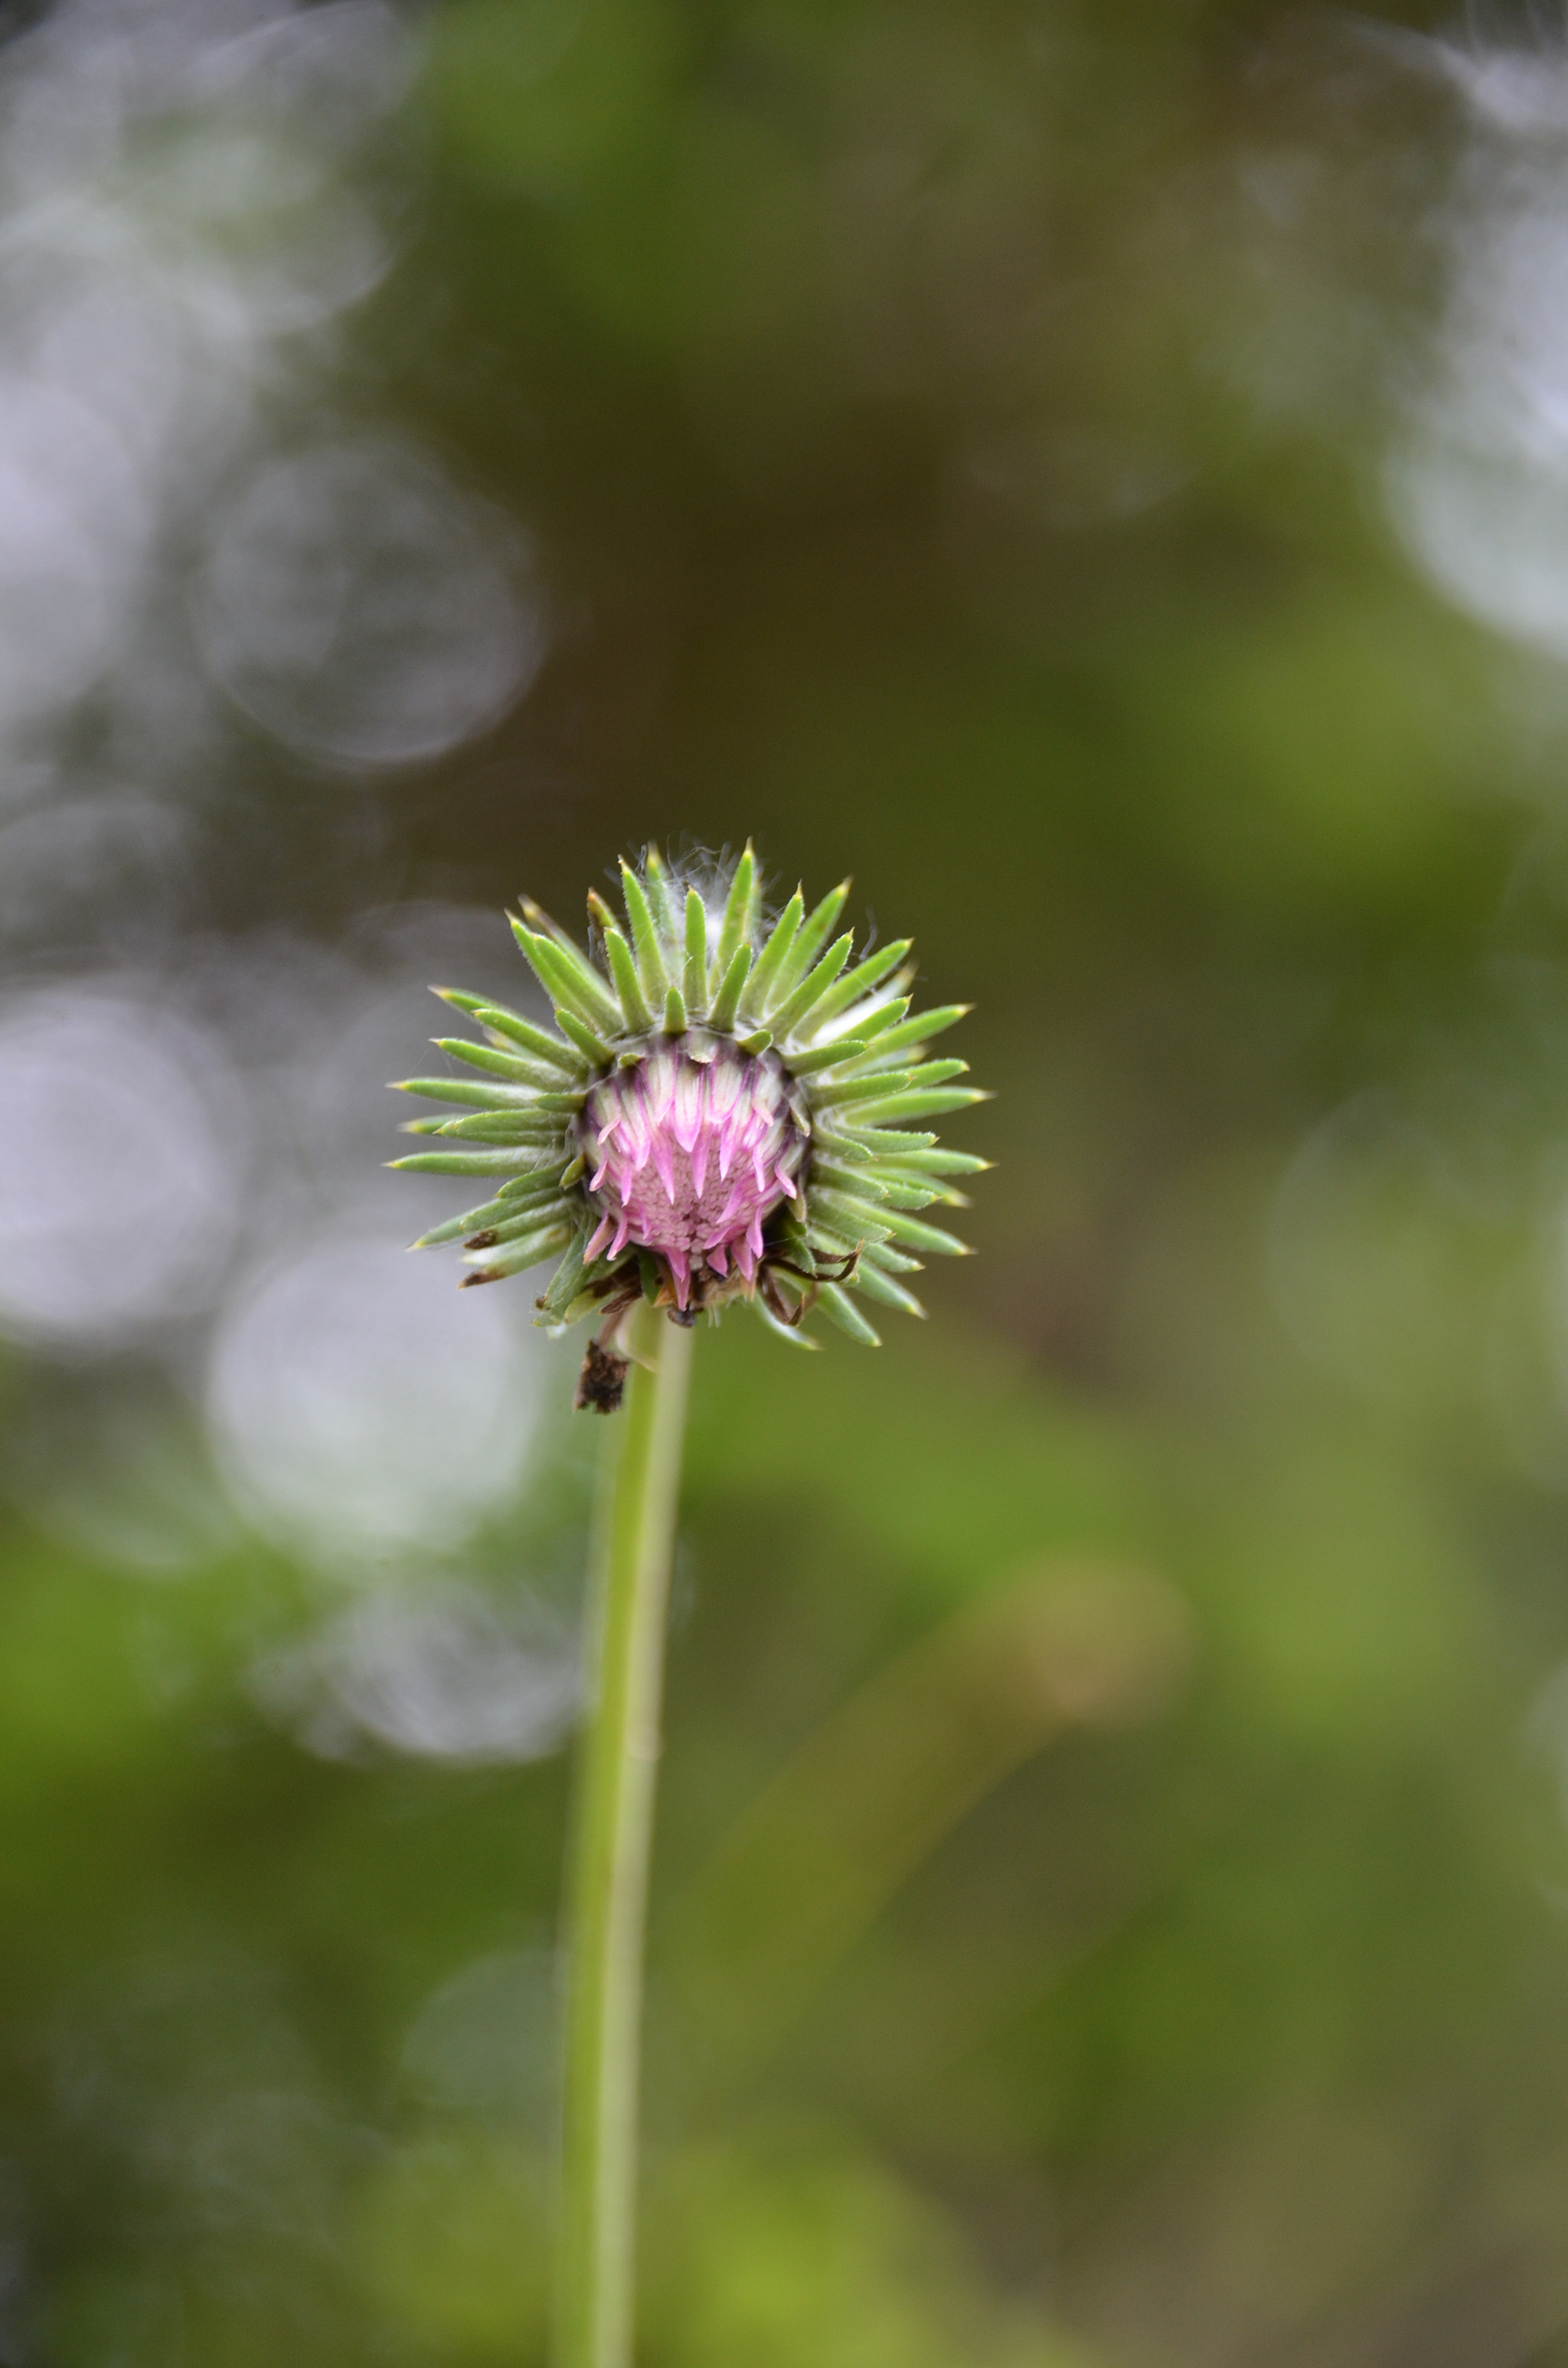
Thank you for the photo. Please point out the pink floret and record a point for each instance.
(689, 1153)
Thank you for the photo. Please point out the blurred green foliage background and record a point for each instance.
(1111, 1883)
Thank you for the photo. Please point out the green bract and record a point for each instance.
(724, 1111)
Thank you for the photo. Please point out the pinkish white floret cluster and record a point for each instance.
(689, 1152)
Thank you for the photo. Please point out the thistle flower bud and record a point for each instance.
(721, 1114)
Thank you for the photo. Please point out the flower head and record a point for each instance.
(724, 1114)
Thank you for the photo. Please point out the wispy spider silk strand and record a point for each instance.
(613, 1821)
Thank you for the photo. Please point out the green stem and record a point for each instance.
(613, 1830)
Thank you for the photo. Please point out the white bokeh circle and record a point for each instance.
(361, 1407)
(73, 528)
(436, 1669)
(122, 1159)
(364, 610)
